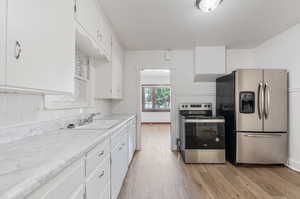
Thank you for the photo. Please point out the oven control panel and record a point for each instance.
(195, 106)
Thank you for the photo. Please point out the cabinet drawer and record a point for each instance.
(96, 156)
(63, 185)
(116, 138)
(95, 185)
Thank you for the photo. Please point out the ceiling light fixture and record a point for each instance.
(208, 5)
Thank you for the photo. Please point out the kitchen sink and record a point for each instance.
(99, 124)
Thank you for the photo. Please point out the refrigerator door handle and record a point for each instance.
(260, 100)
(263, 135)
(267, 101)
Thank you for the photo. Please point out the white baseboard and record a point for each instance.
(294, 165)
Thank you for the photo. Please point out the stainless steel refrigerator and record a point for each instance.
(254, 103)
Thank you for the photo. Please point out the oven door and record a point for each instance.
(204, 134)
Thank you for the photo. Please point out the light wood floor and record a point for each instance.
(158, 173)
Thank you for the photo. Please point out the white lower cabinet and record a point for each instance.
(119, 162)
(98, 175)
(97, 180)
(131, 139)
(116, 171)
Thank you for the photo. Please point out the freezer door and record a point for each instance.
(249, 98)
(261, 148)
(275, 104)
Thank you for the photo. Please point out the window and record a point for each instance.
(156, 98)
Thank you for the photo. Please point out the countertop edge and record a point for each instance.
(24, 189)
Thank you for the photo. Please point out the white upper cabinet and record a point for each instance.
(87, 16)
(41, 45)
(209, 63)
(108, 78)
(2, 40)
(94, 23)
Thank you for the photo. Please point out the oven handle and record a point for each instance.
(205, 121)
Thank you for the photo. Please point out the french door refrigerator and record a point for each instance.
(254, 103)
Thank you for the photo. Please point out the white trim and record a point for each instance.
(294, 165)
(173, 103)
(294, 90)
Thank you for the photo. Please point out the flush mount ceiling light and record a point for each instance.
(208, 5)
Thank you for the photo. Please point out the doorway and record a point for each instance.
(155, 106)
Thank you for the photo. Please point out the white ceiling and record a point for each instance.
(176, 24)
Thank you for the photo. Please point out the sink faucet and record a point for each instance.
(91, 117)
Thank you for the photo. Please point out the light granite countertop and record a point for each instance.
(29, 163)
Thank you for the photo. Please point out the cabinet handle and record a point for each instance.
(120, 148)
(101, 154)
(102, 174)
(18, 50)
(123, 144)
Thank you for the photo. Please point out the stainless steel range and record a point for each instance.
(202, 136)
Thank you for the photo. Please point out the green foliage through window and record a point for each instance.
(156, 98)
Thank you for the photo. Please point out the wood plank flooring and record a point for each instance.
(158, 173)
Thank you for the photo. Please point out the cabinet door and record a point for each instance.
(97, 180)
(2, 40)
(130, 143)
(134, 134)
(87, 15)
(131, 140)
(103, 81)
(117, 170)
(117, 70)
(125, 154)
(41, 47)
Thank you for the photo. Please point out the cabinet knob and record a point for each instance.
(101, 154)
(18, 50)
(102, 174)
(120, 148)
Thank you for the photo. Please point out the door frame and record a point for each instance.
(173, 104)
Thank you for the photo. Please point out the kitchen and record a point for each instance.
(61, 62)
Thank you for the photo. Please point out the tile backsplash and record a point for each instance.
(19, 109)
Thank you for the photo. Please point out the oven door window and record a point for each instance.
(204, 135)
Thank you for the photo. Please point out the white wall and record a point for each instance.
(283, 51)
(146, 79)
(155, 117)
(182, 73)
(18, 109)
(240, 58)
